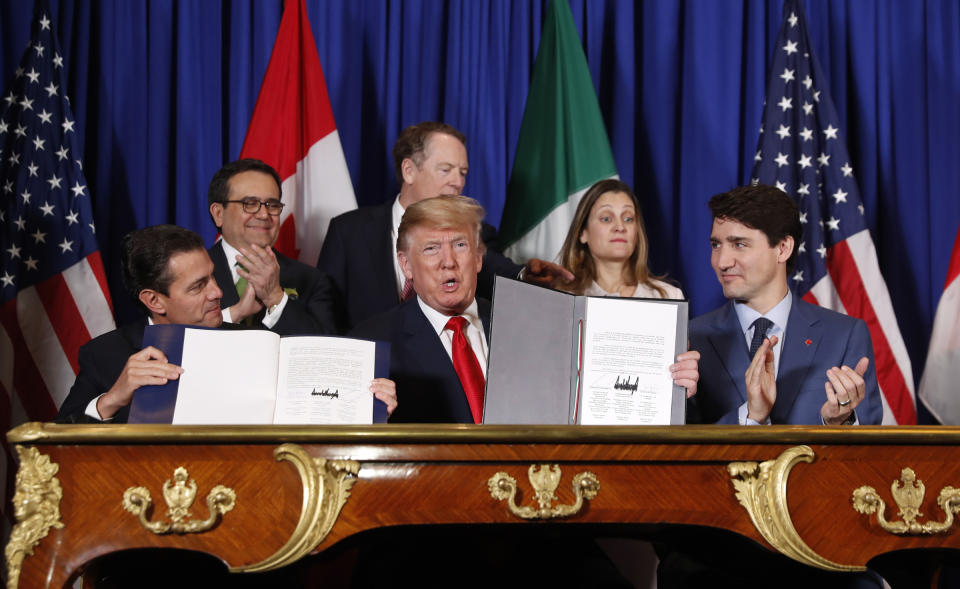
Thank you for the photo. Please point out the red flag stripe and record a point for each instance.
(27, 382)
(65, 317)
(846, 278)
(294, 66)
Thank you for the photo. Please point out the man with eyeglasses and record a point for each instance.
(260, 285)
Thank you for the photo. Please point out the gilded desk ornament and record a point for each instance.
(179, 496)
(761, 488)
(544, 479)
(36, 506)
(326, 488)
(908, 494)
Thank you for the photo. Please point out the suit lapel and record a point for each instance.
(223, 276)
(800, 343)
(431, 357)
(729, 344)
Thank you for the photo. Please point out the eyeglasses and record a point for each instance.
(251, 205)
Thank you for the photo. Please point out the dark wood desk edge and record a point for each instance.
(36, 433)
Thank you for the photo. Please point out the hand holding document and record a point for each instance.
(257, 377)
(558, 358)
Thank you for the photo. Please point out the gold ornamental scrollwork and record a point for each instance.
(179, 496)
(36, 506)
(326, 488)
(908, 494)
(761, 488)
(544, 479)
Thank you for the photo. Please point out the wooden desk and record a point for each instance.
(299, 490)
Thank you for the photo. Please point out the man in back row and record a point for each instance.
(359, 255)
(261, 286)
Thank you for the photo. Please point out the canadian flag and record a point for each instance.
(293, 130)
(938, 387)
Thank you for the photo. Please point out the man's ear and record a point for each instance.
(785, 249)
(216, 213)
(408, 169)
(405, 264)
(153, 301)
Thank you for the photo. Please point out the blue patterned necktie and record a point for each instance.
(760, 328)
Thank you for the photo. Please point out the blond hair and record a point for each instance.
(442, 212)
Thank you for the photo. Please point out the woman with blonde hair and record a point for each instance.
(606, 247)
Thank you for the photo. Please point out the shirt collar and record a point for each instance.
(778, 314)
(396, 213)
(439, 321)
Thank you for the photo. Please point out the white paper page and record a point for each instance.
(325, 380)
(628, 346)
(229, 377)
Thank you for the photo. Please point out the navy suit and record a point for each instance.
(358, 257)
(101, 362)
(428, 389)
(815, 340)
(309, 312)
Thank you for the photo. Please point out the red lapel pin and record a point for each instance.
(808, 342)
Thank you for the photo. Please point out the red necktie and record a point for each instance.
(467, 367)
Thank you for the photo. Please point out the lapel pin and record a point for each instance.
(808, 342)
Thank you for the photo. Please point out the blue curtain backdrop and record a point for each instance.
(163, 91)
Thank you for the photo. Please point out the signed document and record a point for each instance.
(628, 346)
(258, 377)
(557, 358)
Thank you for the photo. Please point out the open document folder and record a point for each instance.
(557, 358)
(258, 377)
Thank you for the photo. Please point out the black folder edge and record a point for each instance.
(156, 403)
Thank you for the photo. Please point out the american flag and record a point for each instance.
(53, 290)
(802, 152)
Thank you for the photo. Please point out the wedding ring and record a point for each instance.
(843, 403)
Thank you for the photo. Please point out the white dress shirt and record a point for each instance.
(272, 314)
(474, 331)
(396, 214)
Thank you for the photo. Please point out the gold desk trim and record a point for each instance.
(179, 496)
(326, 488)
(51, 433)
(36, 505)
(762, 490)
(544, 478)
(908, 494)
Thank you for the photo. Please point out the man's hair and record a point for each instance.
(762, 207)
(577, 258)
(219, 190)
(442, 212)
(145, 257)
(412, 143)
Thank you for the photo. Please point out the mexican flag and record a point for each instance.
(563, 147)
(293, 130)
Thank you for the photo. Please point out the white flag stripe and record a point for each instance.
(546, 239)
(89, 298)
(865, 257)
(943, 359)
(827, 295)
(44, 345)
(318, 191)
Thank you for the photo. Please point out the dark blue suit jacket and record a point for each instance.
(309, 312)
(816, 339)
(358, 256)
(428, 389)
